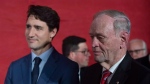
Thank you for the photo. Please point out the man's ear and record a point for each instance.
(53, 32)
(124, 39)
(72, 55)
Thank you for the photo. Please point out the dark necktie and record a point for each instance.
(106, 74)
(35, 71)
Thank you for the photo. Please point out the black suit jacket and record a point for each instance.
(82, 72)
(57, 70)
(144, 61)
(128, 72)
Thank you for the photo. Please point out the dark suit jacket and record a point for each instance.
(144, 61)
(57, 70)
(128, 72)
(82, 72)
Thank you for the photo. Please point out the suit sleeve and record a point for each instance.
(71, 75)
(8, 76)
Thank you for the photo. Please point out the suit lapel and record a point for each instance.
(49, 68)
(26, 69)
(121, 74)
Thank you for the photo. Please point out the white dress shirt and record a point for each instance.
(113, 69)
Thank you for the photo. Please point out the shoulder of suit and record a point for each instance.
(63, 60)
(139, 67)
(19, 60)
(96, 66)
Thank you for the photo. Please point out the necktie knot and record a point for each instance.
(37, 60)
(106, 74)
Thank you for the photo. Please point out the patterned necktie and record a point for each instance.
(35, 71)
(106, 74)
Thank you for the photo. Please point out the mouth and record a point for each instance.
(96, 53)
(31, 40)
(87, 60)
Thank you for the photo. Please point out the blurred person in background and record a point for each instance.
(76, 49)
(137, 48)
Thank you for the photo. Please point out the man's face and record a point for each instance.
(105, 42)
(136, 49)
(37, 34)
(82, 55)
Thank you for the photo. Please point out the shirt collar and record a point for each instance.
(44, 56)
(114, 67)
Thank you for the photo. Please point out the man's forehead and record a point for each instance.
(135, 46)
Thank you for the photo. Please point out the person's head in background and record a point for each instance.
(76, 49)
(137, 48)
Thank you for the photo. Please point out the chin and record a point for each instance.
(34, 47)
(84, 65)
(98, 59)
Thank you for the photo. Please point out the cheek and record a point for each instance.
(43, 35)
(80, 58)
(114, 43)
(142, 53)
(84, 59)
(26, 32)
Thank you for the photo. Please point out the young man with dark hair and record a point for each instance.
(44, 65)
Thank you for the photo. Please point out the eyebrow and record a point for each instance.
(38, 26)
(97, 34)
(28, 25)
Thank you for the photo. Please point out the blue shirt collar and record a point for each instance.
(44, 56)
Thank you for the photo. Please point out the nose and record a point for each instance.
(89, 54)
(31, 32)
(94, 42)
(133, 54)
